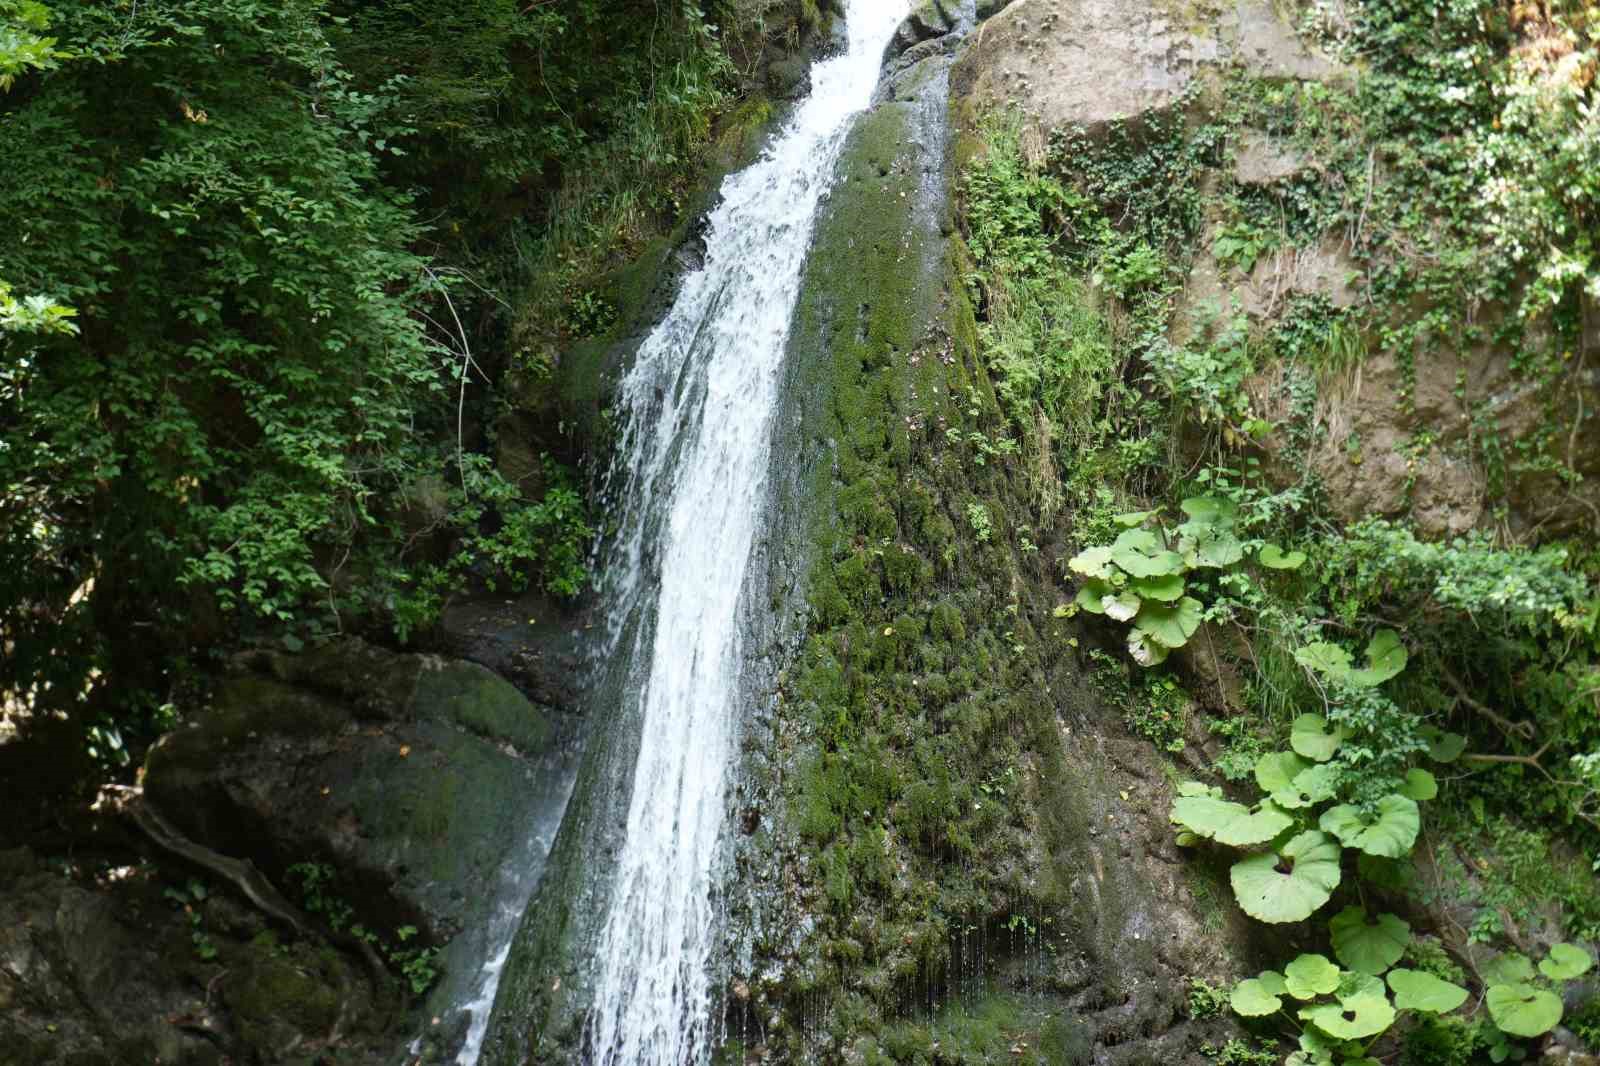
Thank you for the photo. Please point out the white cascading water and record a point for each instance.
(699, 405)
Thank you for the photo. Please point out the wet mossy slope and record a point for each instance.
(954, 822)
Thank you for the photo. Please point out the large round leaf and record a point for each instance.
(1508, 968)
(1275, 770)
(1093, 592)
(1388, 831)
(1290, 885)
(1170, 625)
(1313, 737)
(1252, 999)
(1523, 1010)
(1352, 1018)
(1092, 562)
(1218, 549)
(1386, 657)
(1329, 660)
(1566, 961)
(1146, 652)
(1120, 606)
(1369, 947)
(1420, 785)
(1166, 588)
(1442, 746)
(1310, 976)
(1275, 558)
(1416, 990)
(1209, 815)
(1141, 553)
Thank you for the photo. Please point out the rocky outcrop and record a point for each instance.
(416, 784)
(117, 965)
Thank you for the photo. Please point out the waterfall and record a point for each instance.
(696, 414)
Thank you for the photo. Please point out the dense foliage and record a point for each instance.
(256, 296)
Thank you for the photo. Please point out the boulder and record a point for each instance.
(1082, 63)
(414, 780)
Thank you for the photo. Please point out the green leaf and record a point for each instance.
(1166, 588)
(1120, 606)
(1566, 961)
(1523, 1010)
(1211, 816)
(1313, 737)
(1510, 968)
(1092, 594)
(1141, 554)
(1329, 660)
(1317, 783)
(1395, 875)
(1273, 981)
(1353, 1017)
(1252, 999)
(1389, 831)
(1275, 770)
(1146, 652)
(1308, 875)
(1170, 625)
(1416, 990)
(1092, 562)
(1386, 657)
(1218, 550)
(1444, 747)
(1210, 511)
(1420, 785)
(1131, 518)
(1275, 558)
(1368, 947)
(1310, 976)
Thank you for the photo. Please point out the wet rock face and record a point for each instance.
(411, 776)
(101, 966)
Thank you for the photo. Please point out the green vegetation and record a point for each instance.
(279, 275)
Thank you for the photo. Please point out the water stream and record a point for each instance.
(698, 407)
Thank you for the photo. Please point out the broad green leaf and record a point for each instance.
(1416, 990)
(1166, 588)
(1131, 518)
(1313, 737)
(1420, 785)
(1509, 968)
(1170, 625)
(1092, 594)
(1252, 999)
(1317, 783)
(1329, 660)
(1273, 982)
(1352, 1018)
(1389, 831)
(1523, 1010)
(1394, 875)
(1218, 549)
(1275, 558)
(1386, 657)
(1120, 606)
(1310, 976)
(1141, 554)
(1566, 961)
(1092, 562)
(1368, 947)
(1444, 747)
(1210, 511)
(1277, 769)
(1145, 651)
(1290, 885)
(1215, 818)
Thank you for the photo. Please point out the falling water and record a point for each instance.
(698, 409)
